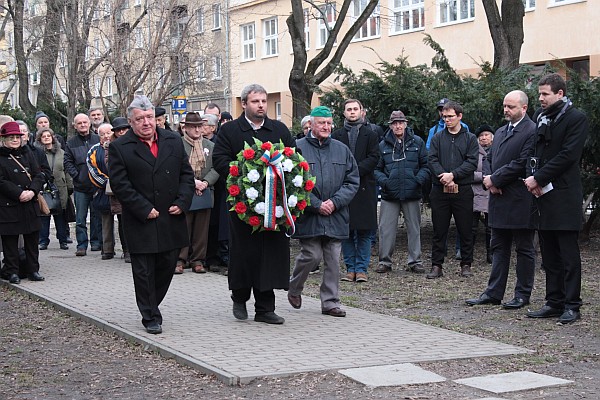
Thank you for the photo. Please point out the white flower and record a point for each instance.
(206, 151)
(292, 201)
(260, 208)
(279, 211)
(297, 181)
(253, 176)
(251, 193)
(287, 165)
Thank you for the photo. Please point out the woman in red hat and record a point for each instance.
(21, 179)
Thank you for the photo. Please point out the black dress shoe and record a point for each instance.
(69, 240)
(96, 248)
(545, 312)
(269, 318)
(334, 312)
(154, 328)
(239, 311)
(515, 304)
(35, 276)
(569, 316)
(64, 246)
(295, 301)
(14, 278)
(43, 247)
(108, 256)
(481, 300)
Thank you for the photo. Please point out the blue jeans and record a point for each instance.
(357, 250)
(83, 201)
(61, 229)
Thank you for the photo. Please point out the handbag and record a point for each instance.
(203, 202)
(51, 196)
(70, 211)
(44, 209)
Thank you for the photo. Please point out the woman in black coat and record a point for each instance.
(21, 179)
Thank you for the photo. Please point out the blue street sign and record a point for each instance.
(179, 103)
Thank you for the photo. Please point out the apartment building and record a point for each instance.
(261, 52)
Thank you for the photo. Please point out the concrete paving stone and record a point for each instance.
(491, 398)
(512, 381)
(392, 375)
(200, 330)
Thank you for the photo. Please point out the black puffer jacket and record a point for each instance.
(75, 161)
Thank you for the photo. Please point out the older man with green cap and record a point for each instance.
(324, 223)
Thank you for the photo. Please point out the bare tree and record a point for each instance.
(305, 75)
(506, 31)
(50, 46)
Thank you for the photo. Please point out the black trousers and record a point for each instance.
(152, 275)
(502, 240)
(263, 301)
(10, 249)
(444, 206)
(562, 263)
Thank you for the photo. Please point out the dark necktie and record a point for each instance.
(510, 128)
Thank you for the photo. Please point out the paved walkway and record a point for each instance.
(200, 330)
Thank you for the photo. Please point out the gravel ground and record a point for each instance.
(46, 354)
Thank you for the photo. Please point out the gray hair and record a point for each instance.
(92, 109)
(5, 118)
(140, 102)
(304, 121)
(22, 123)
(252, 88)
(104, 124)
(212, 119)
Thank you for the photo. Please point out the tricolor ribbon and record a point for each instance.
(274, 171)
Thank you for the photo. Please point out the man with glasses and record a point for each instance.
(441, 123)
(453, 159)
(401, 173)
(555, 182)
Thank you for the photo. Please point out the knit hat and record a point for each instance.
(39, 115)
(10, 128)
(484, 128)
(321, 111)
(225, 116)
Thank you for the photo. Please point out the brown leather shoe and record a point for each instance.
(295, 301)
(465, 270)
(350, 277)
(382, 269)
(417, 269)
(334, 312)
(199, 269)
(436, 272)
(361, 277)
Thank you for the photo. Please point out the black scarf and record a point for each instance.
(353, 128)
(550, 116)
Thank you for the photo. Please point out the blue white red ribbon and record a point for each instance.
(273, 172)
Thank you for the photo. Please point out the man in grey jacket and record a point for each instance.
(324, 223)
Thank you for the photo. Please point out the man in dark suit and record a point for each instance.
(152, 178)
(364, 145)
(509, 209)
(555, 181)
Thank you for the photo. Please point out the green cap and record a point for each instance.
(321, 111)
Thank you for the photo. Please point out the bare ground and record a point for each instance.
(46, 354)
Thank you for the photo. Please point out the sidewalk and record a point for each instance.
(200, 330)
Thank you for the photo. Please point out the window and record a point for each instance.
(554, 3)
(109, 86)
(200, 20)
(306, 28)
(278, 110)
(106, 8)
(218, 68)
(201, 69)
(96, 48)
(248, 42)
(270, 37)
(160, 77)
(138, 38)
(216, 9)
(137, 3)
(87, 54)
(529, 4)
(98, 87)
(61, 58)
(456, 10)
(96, 14)
(326, 22)
(370, 28)
(409, 15)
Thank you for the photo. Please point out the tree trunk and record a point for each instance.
(21, 58)
(50, 46)
(506, 31)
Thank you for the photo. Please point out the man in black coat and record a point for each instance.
(152, 179)
(509, 209)
(258, 262)
(555, 181)
(364, 145)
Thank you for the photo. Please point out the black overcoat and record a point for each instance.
(363, 208)
(559, 152)
(17, 217)
(142, 182)
(261, 259)
(506, 162)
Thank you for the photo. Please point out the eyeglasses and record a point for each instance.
(401, 156)
(448, 116)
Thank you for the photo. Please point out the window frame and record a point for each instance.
(217, 23)
(331, 15)
(398, 13)
(366, 28)
(218, 68)
(459, 10)
(270, 37)
(248, 43)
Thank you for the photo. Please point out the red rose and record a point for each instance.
(248, 154)
(234, 170)
(304, 165)
(234, 190)
(254, 221)
(309, 185)
(266, 146)
(288, 151)
(240, 208)
(301, 205)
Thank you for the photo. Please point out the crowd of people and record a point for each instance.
(167, 189)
